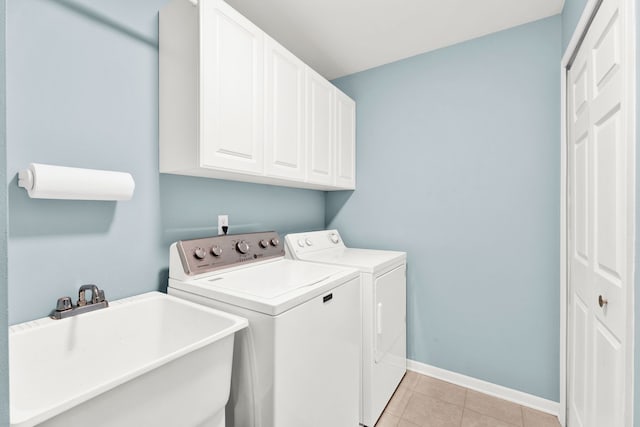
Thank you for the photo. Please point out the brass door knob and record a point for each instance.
(602, 301)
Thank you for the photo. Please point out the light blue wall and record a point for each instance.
(457, 163)
(4, 362)
(83, 91)
(571, 13)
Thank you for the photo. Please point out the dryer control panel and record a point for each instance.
(302, 243)
(212, 253)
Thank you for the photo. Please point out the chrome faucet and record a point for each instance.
(97, 295)
(65, 308)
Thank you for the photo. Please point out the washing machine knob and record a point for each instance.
(216, 250)
(275, 241)
(309, 242)
(263, 244)
(199, 253)
(334, 238)
(242, 247)
(301, 243)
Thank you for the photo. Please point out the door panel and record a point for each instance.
(579, 189)
(599, 215)
(610, 228)
(578, 240)
(607, 385)
(579, 333)
(606, 53)
(232, 82)
(320, 123)
(345, 141)
(580, 90)
(581, 201)
(285, 138)
(610, 173)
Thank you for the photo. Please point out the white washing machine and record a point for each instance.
(297, 364)
(384, 327)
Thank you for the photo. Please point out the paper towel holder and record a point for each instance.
(68, 183)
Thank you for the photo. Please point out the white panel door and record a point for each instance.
(345, 175)
(232, 90)
(320, 133)
(599, 216)
(285, 108)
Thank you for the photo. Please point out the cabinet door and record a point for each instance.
(320, 133)
(285, 120)
(232, 90)
(345, 156)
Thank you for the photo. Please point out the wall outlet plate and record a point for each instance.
(223, 220)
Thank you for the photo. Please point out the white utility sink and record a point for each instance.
(148, 360)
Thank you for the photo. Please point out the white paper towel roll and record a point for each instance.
(60, 182)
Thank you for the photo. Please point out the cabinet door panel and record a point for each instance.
(345, 141)
(232, 90)
(285, 136)
(320, 136)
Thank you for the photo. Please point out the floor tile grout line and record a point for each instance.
(439, 399)
(464, 405)
(410, 392)
(501, 402)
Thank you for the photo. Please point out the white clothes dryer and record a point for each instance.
(384, 330)
(297, 364)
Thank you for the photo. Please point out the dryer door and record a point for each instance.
(390, 330)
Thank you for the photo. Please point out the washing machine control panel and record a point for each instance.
(212, 253)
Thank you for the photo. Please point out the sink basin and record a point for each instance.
(148, 360)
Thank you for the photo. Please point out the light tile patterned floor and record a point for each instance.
(427, 402)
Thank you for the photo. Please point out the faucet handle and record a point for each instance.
(64, 304)
(82, 300)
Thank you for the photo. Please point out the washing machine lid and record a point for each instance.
(365, 260)
(271, 288)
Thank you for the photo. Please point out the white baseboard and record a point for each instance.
(485, 387)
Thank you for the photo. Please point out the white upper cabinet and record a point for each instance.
(232, 90)
(235, 104)
(345, 142)
(285, 137)
(320, 132)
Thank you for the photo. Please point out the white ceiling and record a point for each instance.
(341, 37)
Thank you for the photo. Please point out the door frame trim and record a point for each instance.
(630, 81)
